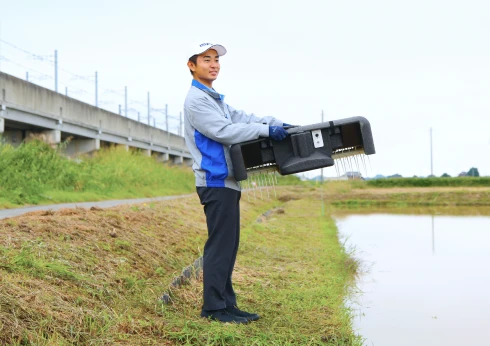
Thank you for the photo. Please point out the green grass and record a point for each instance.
(291, 180)
(35, 173)
(293, 271)
(26, 261)
(430, 182)
(94, 277)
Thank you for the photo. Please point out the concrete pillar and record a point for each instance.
(2, 125)
(163, 157)
(14, 138)
(52, 137)
(188, 162)
(147, 152)
(178, 160)
(125, 146)
(82, 146)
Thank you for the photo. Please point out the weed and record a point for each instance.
(67, 281)
(430, 182)
(49, 177)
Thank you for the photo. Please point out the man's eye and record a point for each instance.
(207, 60)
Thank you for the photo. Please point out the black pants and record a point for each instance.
(222, 209)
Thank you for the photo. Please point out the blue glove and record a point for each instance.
(277, 133)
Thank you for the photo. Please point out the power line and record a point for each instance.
(76, 77)
(45, 58)
(39, 57)
(25, 67)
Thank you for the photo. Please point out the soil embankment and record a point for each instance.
(95, 276)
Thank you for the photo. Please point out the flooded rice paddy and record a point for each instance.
(425, 280)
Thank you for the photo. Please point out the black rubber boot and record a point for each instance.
(223, 315)
(234, 310)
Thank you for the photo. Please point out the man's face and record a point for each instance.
(207, 69)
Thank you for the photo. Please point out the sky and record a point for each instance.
(406, 66)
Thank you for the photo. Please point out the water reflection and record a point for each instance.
(414, 293)
(433, 236)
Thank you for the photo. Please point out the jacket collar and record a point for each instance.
(207, 90)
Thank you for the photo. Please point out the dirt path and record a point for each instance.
(6, 213)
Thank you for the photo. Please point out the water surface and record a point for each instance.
(427, 279)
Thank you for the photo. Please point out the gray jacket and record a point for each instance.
(211, 127)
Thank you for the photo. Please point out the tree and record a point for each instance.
(473, 172)
(445, 175)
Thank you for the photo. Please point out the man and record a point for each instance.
(211, 127)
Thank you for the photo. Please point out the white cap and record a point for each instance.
(202, 47)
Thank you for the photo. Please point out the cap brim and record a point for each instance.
(217, 47)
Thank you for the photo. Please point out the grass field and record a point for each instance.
(360, 194)
(94, 277)
(35, 173)
(430, 182)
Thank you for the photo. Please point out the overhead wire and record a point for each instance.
(77, 77)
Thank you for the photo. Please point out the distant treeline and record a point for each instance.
(429, 182)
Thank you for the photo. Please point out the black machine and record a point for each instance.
(306, 148)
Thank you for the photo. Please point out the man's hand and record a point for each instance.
(277, 133)
(288, 126)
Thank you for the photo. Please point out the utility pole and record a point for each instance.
(321, 186)
(126, 101)
(431, 157)
(322, 168)
(148, 108)
(66, 91)
(27, 76)
(96, 89)
(120, 110)
(138, 116)
(56, 70)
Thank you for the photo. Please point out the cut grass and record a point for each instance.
(94, 277)
(292, 271)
